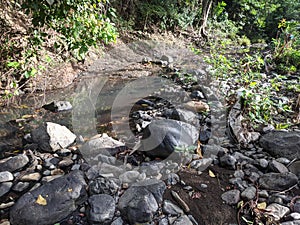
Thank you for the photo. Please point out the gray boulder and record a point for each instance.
(282, 144)
(102, 209)
(278, 181)
(50, 202)
(140, 202)
(162, 137)
(51, 137)
(14, 163)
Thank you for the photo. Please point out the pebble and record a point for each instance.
(31, 177)
(6, 205)
(6, 176)
(172, 179)
(21, 186)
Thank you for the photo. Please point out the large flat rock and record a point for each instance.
(282, 144)
(51, 202)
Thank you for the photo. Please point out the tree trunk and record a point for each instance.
(206, 7)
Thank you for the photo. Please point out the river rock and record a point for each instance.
(5, 187)
(231, 197)
(102, 209)
(161, 137)
(51, 137)
(282, 144)
(171, 209)
(277, 167)
(62, 196)
(103, 185)
(295, 168)
(14, 163)
(99, 146)
(277, 181)
(249, 193)
(140, 202)
(277, 211)
(6, 176)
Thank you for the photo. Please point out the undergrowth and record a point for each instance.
(266, 79)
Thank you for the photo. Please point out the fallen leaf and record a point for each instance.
(41, 200)
(240, 204)
(262, 205)
(70, 189)
(211, 173)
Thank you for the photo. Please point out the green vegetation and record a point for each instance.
(46, 32)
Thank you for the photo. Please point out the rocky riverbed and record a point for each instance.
(171, 154)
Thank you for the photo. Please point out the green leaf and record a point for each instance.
(13, 64)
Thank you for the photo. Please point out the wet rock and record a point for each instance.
(14, 163)
(277, 167)
(162, 137)
(282, 144)
(51, 137)
(277, 211)
(171, 209)
(6, 176)
(249, 193)
(62, 195)
(278, 181)
(5, 188)
(231, 197)
(140, 202)
(58, 106)
(102, 185)
(102, 209)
